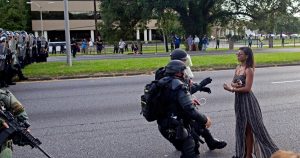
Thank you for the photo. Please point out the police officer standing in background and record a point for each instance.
(9, 102)
(2, 63)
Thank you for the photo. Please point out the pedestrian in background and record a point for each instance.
(121, 46)
(91, 46)
(217, 43)
(99, 45)
(196, 42)
(261, 41)
(74, 48)
(83, 46)
(189, 41)
(249, 41)
(205, 43)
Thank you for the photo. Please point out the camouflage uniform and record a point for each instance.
(9, 102)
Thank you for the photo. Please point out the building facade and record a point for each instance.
(48, 17)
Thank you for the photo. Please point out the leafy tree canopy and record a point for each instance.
(195, 16)
(14, 15)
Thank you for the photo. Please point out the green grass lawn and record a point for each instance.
(146, 65)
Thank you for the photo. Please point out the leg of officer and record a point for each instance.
(211, 142)
(188, 148)
(170, 135)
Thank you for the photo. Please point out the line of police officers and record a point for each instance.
(18, 49)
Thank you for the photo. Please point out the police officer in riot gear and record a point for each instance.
(181, 55)
(179, 111)
(2, 62)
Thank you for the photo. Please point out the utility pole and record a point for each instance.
(95, 17)
(67, 33)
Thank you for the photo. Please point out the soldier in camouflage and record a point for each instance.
(9, 102)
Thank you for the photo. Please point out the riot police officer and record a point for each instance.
(193, 87)
(3, 62)
(9, 102)
(179, 111)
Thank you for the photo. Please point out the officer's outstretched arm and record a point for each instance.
(185, 101)
(194, 88)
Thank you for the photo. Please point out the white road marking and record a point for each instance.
(280, 82)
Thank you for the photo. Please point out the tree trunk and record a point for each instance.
(231, 43)
(166, 42)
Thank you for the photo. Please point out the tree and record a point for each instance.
(119, 19)
(168, 23)
(14, 15)
(263, 15)
(195, 16)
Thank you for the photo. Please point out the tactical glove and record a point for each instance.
(205, 89)
(204, 82)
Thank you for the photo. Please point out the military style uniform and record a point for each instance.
(178, 111)
(9, 102)
(174, 124)
(196, 128)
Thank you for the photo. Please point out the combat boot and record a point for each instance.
(211, 142)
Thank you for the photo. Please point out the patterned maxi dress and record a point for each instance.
(247, 110)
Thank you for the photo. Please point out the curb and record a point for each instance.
(148, 72)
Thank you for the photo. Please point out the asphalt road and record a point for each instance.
(150, 55)
(99, 118)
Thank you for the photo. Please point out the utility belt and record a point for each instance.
(7, 144)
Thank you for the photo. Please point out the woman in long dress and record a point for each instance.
(251, 134)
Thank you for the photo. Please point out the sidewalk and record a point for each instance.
(151, 55)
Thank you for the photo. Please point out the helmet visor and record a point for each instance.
(188, 72)
(188, 61)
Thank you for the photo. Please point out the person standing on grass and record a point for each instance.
(121, 46)
(196, 42)
(100, 46)
(217, 43)
(249, 41)
(261, 41)
(74, 48)
(91, 46)
(83, 46)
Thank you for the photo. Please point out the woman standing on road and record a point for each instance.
(251, 134)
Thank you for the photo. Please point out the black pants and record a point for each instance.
(187, 145)
(74, 51)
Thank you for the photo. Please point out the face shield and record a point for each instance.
(188, 62)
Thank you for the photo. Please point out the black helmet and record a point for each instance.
(175, 66)
(178, 54)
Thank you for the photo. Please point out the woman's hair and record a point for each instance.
(250, 59)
